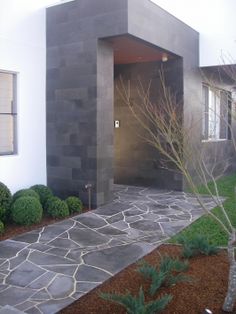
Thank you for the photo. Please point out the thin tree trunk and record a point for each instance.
(231, 292)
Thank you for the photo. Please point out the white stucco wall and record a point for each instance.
(214, 20)
(22, 49)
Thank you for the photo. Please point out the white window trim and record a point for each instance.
(14, 153)
(213, 140)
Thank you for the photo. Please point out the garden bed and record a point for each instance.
(207, 290)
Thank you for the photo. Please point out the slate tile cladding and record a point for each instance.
(80, 85)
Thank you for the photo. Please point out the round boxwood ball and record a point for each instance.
(5, 196)
(2, 213)
(43, 191)
(26, 210)
(74, 204)
(57, 208)
(26, 192)
(1, 227)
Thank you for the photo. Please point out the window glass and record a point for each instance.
(216, 117)
(7, 113)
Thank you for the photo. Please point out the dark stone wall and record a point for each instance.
(80, 85)
(80, 96)
(136, 161)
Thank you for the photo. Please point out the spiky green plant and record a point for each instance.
(197, 245)
(137, 305)
(169, 264)
(157, 277)
(167, 274)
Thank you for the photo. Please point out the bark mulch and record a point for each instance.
(207, 290)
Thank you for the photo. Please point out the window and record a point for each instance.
(216, 113)
(7, 113)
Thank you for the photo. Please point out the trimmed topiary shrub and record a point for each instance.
(2, 213)
(5, 199)
(26, 210)
(43, 191)
(25, 192)
(74, 204)
(57, 208)
(1, 227)
(49, 201)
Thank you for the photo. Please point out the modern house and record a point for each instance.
(58, 104)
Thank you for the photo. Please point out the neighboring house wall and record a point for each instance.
(221, 152)
(214, 20)
(22, 42)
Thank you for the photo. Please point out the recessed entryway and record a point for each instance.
(137, 64)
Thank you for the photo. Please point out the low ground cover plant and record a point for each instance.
(167, 273)
(137, 305)
(28, 206)
(196, 245)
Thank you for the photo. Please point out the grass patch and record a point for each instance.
(207, 225)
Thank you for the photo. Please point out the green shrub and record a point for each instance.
(1, 227)
(5, 199)
(197, 245)
(2, 213)
(25, 192)
(49, 201)
(43, 191)
(26, 210)
(74, 204)
(168, 273)
(57, 208)
(137, 305)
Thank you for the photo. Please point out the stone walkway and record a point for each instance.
(45, 270)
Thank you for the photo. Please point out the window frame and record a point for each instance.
(205, 113)
(13, 114)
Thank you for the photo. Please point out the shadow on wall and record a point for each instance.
(135, 161)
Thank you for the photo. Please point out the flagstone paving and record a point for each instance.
(45, 270)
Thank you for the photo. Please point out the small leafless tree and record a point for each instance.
(164, 127)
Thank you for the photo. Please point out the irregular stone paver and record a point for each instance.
(10, 248)
(9, 310)
(88, 237)
(24, 274)
(45, 270)
(14, 295)
(117, 258)
(92, 274)
(145, 225)
(92, 221)
(61, 287)
(111, 231)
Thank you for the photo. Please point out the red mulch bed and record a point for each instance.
(206, 291)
